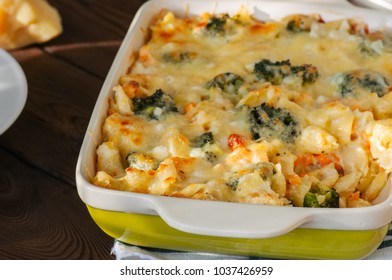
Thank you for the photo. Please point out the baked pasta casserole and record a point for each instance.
(229, 108)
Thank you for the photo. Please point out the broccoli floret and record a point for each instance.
(227, 82)
(302, 23)
(377, 84)
(357, 83)
(345, 84)
(216, 25)
(276, 72)
(232, 179)
(307, 72)
(142, 161)
(370, 48)
(321, 197)
(265, 169)
(178, 58)
(208, 149)
(269, 122)
(273, 72)
(155, 105)
(232, 182)
(203, 139)
(296, 26)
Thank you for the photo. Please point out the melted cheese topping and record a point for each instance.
(218, 107)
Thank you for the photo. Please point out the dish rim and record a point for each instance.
(113, 200)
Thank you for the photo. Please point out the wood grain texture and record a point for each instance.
(60, 101)
(43, 218)
(93, 31)
(41, 214)
(94, 20)
(93, 58)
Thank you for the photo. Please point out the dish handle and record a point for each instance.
(225, 219)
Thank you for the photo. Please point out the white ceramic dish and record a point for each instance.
(13, 90)
(375, 4)
(208, 218)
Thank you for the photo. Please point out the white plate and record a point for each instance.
(13, 90)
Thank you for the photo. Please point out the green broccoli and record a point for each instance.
(370, 48)
(178, 58)
(216, 25)
(302, 23)
(273, 72)
(357, 83)
(142, 161)
(269, 122)
(154, 106)
(374, 83)
(227, 82)
(203, 139)
(308, 73)
(232, 182)
(276, 72)
(345, 84)
(265, 169)
(321, 197)
(209, 149)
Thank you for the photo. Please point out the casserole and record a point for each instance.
(216, 226)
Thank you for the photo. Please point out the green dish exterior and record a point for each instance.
(301, 243)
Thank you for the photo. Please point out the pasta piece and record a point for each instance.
(373, 190)
(134, 181)
(211, 191)
(357, 203)
(177, 144)
(296, 193)
(315, 140)
(347, 184)
(129, 133)
(265, 94)
(164, 180)
(327, 175)
(381, 143)
(354, 158)
(286, 160)
(335, 119)
(278, 182)
(109, 160)
(122, 102)
(253, 189)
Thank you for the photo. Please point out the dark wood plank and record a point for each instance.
(94, 58)
(93, 31)
(41, 214)
(43, 218)
(93, 20)
(50, 130)
(62, 92)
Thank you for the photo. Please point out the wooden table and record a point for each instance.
(41, 214)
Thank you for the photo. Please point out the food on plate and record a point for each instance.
(25, 22)
(292, 112)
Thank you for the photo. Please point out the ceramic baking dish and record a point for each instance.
(231, 228)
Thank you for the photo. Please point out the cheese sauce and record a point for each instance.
(219, 107)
